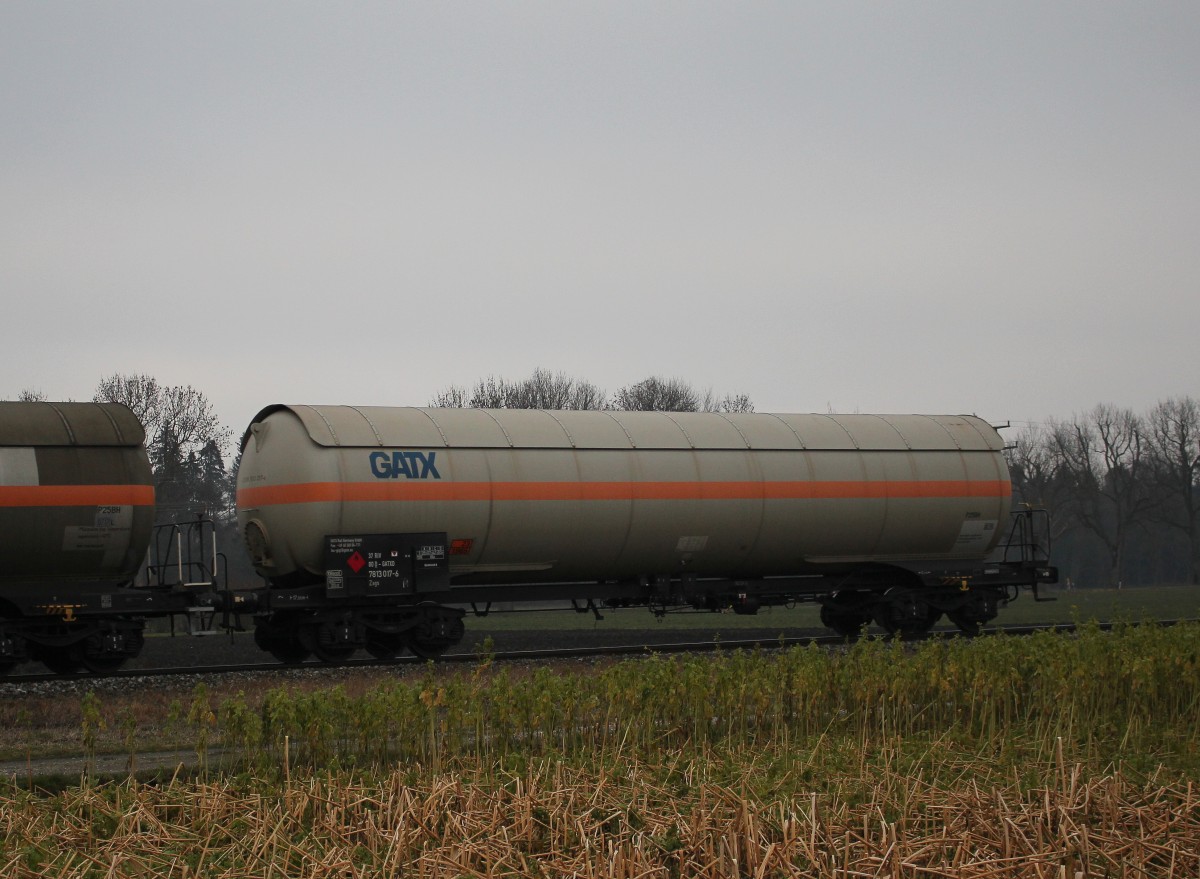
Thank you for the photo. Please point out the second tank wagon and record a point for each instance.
(537, 495)
(872, 515)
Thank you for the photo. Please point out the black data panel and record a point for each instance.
(385, 564)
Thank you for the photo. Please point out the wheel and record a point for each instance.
(435, 633)
(103, 665)
(905, 613)
(427, 649)
(329, 642)
(847, 623)
(979, 608)
(281, 643)
(333, 654)
(13, 648)
(965, 624)
(385, 645)
(104, 652)
(60, 660)
(288, 652)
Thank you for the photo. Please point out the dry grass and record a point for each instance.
(554, 819)
(1041, 757)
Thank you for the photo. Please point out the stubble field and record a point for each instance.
(1042, 756)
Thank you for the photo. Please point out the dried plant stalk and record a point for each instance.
(554, 819)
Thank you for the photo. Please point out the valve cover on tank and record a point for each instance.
(538, 495)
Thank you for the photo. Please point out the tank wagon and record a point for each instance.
(375, 527)
(76, 512)
(83, 564)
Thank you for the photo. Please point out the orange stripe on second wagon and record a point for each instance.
(356, 492)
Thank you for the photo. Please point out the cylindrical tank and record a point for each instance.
(76, 494)
(537, 495)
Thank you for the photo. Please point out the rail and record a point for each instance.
(570, 652)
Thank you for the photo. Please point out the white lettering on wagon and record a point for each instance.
(109, 533)
(975, 534)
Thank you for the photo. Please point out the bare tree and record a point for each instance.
(1102, 456)
(141, 393)
(185, 439)
(657, 394)
(453, 397)
(1036, 471)
(728, 403)
(542, 390)
(180, 411)
(28, 395)
(547, 390)
(1173, 438)
(589, 396)
(489, 393)
(675, 395)
(554, 390)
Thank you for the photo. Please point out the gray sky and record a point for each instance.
(894, 207)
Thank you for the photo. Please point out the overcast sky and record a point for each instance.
(874, 207)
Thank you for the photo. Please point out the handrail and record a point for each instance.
(183, 555)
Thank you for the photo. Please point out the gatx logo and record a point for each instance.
(404, 465)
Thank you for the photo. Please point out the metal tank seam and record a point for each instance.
(731, 423)
(624, 429)
(862, 458)
(620, 553)
(370, 424)
(425, 411)
(804, 456)
(116, 427)
(66, 424)
(671, 418)
(947, 430)
(336, 442)
(852, 437)
(566, 432)
(887, 420)
(792, 430)
(755, 471)
(998, 460)
(503, 429)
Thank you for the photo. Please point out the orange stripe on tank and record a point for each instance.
(416, 491)
(76, 495)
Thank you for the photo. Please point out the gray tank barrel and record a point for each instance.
(534, 495)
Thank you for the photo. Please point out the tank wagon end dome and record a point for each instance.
(69, 424)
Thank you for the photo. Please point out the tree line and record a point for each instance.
(555, 390)
(1123, 490)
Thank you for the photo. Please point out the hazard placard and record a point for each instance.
(385, 564)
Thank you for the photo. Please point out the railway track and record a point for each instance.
(543, 654)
